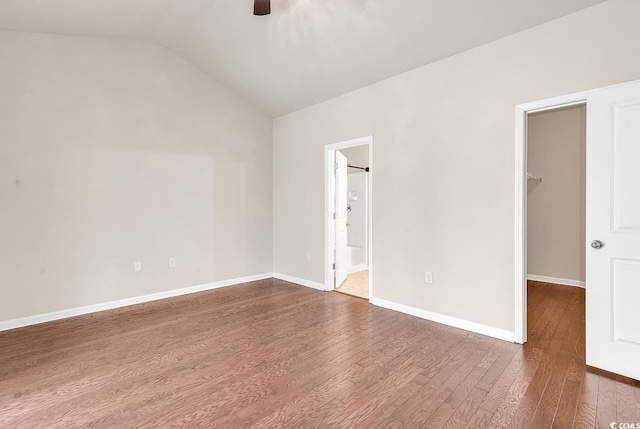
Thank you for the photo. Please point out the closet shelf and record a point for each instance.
(532, 182)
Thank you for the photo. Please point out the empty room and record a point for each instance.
(319, 214)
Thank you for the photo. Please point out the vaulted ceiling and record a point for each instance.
(306, 51)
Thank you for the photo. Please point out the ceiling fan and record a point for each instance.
(261, 7)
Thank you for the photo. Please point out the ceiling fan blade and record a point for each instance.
(262, 7)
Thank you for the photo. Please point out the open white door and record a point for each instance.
(341, 218)
(613, 230)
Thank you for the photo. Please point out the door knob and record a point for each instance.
(597, 244)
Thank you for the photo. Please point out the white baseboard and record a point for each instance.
(357, 268)
(565, 282)
(489, 331)
(79, 311)
(298, 281)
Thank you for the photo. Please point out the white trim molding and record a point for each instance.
(478, 328)
(299, 281)
(556, 280)
(79, 311)
(520, 221)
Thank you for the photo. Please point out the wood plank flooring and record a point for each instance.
(356, 284)
(272, 354)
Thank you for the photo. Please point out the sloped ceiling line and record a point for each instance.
(306, 51)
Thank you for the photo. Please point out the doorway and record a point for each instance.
(556, 193)
(555, 223)
(612, 239)
(526, 182)
(348, 218)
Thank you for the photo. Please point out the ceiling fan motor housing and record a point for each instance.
(262, 7)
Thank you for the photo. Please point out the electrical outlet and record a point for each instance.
(137, 267)
(308, 257)
(428, 277)
(172, 262)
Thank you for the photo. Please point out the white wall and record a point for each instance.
(443, 160)
(556, 207)
(116, 151)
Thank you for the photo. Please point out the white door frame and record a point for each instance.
(522, 112)
(329, 195)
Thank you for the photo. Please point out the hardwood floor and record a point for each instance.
(356, 284)
(271, 354)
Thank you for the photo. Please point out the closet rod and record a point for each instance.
(359, 168)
